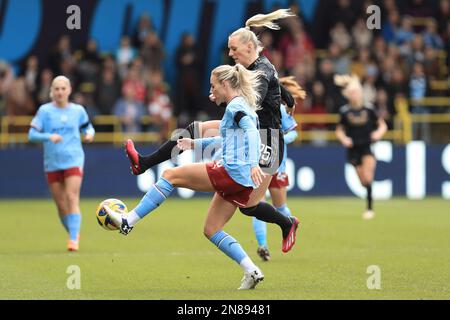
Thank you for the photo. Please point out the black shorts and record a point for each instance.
(272, 150)
(355, 154)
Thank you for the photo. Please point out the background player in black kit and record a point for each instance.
(359, 126)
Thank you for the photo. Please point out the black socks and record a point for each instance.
(267, 213)
(369, 197)
(164, 152)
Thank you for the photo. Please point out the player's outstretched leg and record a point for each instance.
(192, 176)
(266, 212)
(290, 238)
(139, 163)
(152, 199)
(134, 157)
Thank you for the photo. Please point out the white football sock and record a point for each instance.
(248, 265)
(132, 218)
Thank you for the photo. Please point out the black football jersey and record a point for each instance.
(270, 114)
(359, 124)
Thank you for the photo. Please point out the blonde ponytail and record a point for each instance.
(266, 20)
(344, 80)
(244, 81)
(293, 87)
(348, 83)
(260, 20)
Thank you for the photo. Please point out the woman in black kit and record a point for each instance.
(244, 48)
(359, 126)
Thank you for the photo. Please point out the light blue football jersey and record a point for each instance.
(67, 122)
(240, 142)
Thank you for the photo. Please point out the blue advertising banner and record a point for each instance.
(416, 170)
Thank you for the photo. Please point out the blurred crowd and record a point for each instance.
(405, 58)
(402, 59)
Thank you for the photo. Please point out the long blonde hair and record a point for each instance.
(293, 87)
(260, 20)
(241, 80)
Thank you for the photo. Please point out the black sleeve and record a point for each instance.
(286, 97)
(341, 118)
(375, 113)
(84, 125)
(263, 88)
(375, 117)
(238, 116)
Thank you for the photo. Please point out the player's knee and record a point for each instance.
(208, 231)
(366, 182)
(62, 208)
(170, 175)
(191, 131)
(248, 211)
(73, 204)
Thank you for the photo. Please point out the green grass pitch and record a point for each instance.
(167, 257)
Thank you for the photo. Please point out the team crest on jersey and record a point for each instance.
(358, 120)
(64, 118)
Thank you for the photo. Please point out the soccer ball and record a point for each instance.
(102, 216)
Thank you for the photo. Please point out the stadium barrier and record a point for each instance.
(14, 130)
(414, 170)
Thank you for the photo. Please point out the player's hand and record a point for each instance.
(185, 144)
(89, 137)
(347, 142)
(257, 175)
(291, 111)
(375, 136)
(55, 138)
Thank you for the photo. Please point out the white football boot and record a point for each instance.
(251, 279)
(368, 215)
(119, 220)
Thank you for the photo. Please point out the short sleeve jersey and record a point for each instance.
(359, 124)
(66, 122)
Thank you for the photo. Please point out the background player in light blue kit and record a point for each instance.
(232, 178)
(280, 181)
(57, 125)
